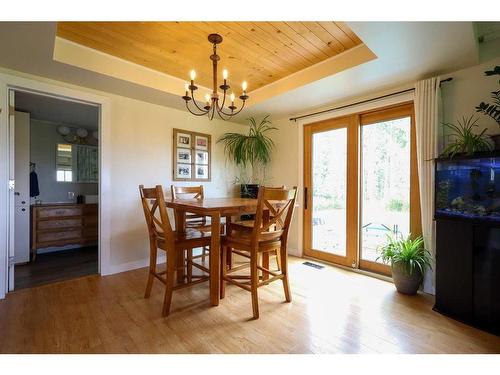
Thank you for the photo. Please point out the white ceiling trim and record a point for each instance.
(75, 54)
(333, 65)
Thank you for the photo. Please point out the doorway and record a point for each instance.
(361, 185)
(54, 166)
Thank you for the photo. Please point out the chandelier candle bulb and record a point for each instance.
(193, 75)
(244, 86)
(224, 74)
(232, 97)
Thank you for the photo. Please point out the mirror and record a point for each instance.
(64, 163)
(77, 163)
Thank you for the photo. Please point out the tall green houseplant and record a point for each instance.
(250, 152)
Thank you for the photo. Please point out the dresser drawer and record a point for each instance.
(59, 223)
(50, 212)
(90, 221)
(62, 235)
(89, 233)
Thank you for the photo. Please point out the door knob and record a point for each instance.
(23, 209)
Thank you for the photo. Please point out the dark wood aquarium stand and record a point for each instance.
(468, 270)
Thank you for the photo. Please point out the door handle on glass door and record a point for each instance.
(305, 198)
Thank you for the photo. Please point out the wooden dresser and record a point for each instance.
(63, 224)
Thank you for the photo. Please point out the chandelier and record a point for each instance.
(212, 104)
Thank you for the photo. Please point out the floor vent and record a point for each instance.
(313, 265)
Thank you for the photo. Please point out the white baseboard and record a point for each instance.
(112, 269)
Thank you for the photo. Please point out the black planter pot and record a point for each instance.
(406, 284)
(248, 191)
(496, 140)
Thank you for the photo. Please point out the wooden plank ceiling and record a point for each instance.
(258, 52)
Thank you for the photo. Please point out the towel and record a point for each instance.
(34, 189)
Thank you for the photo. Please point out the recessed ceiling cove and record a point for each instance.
(258, 52)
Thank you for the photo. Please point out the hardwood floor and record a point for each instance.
(57, 266)
(333, 311)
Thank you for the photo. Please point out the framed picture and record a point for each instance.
(183, 155)
(201, 172)
(191, 159)
(201, 142)
(183, 171)
(184, 140)
(201, 157)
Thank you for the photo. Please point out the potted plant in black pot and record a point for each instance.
(251, 153)
(467, 138)
(408, 259)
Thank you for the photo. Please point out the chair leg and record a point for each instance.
(189, 265)
(223, 271)
(152, 270)
(229, 258)
(181, 263)
(284, 271)
(204, 254)
(278, 259)
(254, 277)
(169, 285)
(265, 264)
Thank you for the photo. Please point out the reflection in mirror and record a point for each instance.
(64, 162)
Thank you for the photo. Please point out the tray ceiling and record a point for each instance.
(258, 52)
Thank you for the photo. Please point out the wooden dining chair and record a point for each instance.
(193, 220)
(161, 236)
(267, 234)
(250, 223)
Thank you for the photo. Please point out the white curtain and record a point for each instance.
(426, 119)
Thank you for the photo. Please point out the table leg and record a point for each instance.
(180, 227)
(215, 259)
(229, 257)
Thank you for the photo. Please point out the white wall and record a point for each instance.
(137, 149)
(142, 154)
(468, 88)
(44, 138)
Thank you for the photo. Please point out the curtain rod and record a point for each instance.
(361, 102)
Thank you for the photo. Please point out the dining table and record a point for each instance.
(215, 208)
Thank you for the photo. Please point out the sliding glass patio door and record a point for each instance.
(329, 186)
(360, 186)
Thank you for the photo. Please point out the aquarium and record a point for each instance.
(468, 187)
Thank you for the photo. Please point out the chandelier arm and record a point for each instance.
(224, 116)
(223, 101)
(235, 113)
(194, 113)
(224, 113)
(194, 101)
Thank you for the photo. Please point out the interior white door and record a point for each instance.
(12, 184)
(22, 188)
